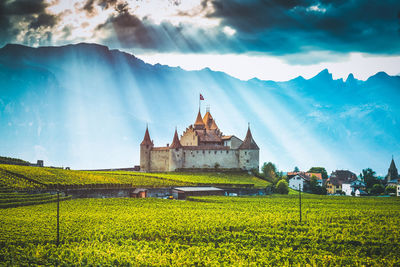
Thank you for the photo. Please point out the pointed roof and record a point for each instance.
(146, 139)
(392, 165)
(209, 121)
(392, 172)
(249, 142)
(175, 142)
(199, 121)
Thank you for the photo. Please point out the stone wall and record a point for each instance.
(189, 138)
(249, 159)
(159, 160)
(198, 159)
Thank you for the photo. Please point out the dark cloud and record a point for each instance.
(43, 20)
(281, 27)
(277, 27)
(30, 12)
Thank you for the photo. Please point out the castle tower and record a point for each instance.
(392, 172)
(145, 149)
(176, 153)
(249, 153)
(199, 124)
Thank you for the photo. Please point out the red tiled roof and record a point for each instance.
(175, 142)
(160, 148)
(249, 142)
(206, 147)
(226, 137)
(146, 139)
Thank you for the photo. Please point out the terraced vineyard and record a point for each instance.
(264, 231)
(25, 177)
(10, 200)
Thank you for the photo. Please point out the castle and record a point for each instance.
(202, 146)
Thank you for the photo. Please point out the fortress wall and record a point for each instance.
(159, 160)
(249, 159)
(197, 159)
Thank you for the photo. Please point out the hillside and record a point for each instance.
(31, 178)
(86, 106)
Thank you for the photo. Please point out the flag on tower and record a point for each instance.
(201, 97)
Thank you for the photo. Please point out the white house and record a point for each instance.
(398, 190)
(347, 189)
(299, 180)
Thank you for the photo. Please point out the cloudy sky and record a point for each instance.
(271, 39)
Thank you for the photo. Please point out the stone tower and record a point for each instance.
(145, 149)
(249, 153)
(175, 153)
(392, 172)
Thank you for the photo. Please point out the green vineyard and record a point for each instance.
(238, 231)
(25, 177)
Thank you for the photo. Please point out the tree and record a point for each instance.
(282, 187)
(296, 169)
(320, 170)
(377, 189)
(269, 171)
(315, 188)
(390, 189)
(369, 178)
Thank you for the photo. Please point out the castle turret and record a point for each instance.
(145, 148)
(392, 172)
(199, 124)
(175, 153)
(249, 153)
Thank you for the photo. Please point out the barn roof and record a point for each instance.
(197, 189)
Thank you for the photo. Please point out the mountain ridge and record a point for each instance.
(86, 106)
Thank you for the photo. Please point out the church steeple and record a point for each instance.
(249, 142)
(175, 142)
(146, 139)
(392, 171)
(199, 124)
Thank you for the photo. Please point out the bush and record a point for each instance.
(390, 189)
(377, 189)
(282, 187)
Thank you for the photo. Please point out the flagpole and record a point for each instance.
(199, 102)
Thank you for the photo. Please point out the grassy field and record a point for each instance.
(25, 177)
(212, 231)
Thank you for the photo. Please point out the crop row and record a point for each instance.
(214, 231)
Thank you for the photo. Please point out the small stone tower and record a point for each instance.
(175, 153)
(145, 148)
(249, 153)
(392, 172)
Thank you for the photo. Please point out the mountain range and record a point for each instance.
(86, 106)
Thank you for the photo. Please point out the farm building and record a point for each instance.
(139, 193)
(183, 192)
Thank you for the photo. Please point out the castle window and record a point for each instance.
(227, 151)
(247, 161)
(245, 152)
(209, 151)
(184, 153)
(203, 151)
(197, 152)
(215, 152)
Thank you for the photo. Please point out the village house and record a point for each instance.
(337, 179)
